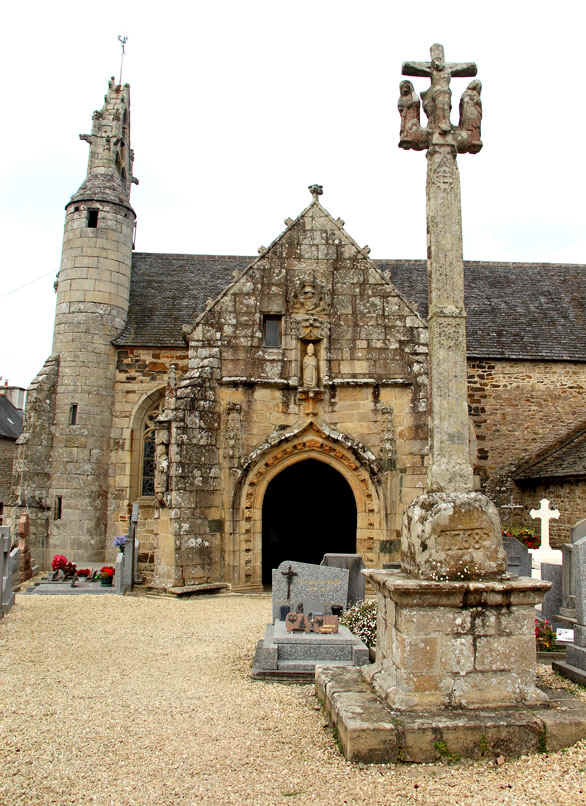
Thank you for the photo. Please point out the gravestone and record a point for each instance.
(9, 570)
(356, 581)
(518, 558)
(552, 601)
(574, 666)
(317, 587)
(295, 655)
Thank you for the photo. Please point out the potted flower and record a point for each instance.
(107, 575)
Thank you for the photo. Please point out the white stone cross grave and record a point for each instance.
(544, 554)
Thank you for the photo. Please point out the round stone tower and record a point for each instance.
(92, 304)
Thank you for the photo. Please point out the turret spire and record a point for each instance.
(109, 172)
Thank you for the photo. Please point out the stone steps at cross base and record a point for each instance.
(316, 653)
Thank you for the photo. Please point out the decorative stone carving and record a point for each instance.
(471, 118)
(309, 297)
(310, 328)
(412, 135)
(232, 435)
(310, 368)
(437, 100)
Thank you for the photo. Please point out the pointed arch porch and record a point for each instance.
(356, 463)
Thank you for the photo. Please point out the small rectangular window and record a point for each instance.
(58, 507)
(73, 414)
(271, 330)
(92, 218)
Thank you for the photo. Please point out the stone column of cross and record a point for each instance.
(450, 469)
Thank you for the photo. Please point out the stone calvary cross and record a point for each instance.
(450, 469)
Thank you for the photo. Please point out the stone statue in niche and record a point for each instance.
(310, 368)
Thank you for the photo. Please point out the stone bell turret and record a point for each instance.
(92, 305)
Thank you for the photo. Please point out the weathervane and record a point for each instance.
(123, 40)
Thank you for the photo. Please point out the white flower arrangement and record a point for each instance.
(361, 621)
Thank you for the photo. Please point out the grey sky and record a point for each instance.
(237, 107)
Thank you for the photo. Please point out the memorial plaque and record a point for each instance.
(317, 587)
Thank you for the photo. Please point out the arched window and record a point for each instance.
(147, 475)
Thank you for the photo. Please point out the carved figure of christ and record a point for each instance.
(289, 573)
(437, 100)
(450, 469)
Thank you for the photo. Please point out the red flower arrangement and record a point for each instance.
(59, 561)
(544, 636)
(107, 571)
(524, 535)
(84, 572)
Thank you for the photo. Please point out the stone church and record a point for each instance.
(276, 407)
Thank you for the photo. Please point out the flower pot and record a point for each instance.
(107, 583)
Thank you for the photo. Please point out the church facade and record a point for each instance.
(271, 408)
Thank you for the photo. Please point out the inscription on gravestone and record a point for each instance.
(317, 587)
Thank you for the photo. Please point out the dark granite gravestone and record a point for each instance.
(552, 601)
(316, 587)
(518, 558)
(356, 580)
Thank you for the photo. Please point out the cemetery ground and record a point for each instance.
(137, 700)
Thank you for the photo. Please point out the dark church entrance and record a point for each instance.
(308, 510)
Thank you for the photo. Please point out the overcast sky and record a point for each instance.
(237, 106)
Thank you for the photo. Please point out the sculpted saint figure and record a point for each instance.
(409, 108)
(310, 367)
(471, 116)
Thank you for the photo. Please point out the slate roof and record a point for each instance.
(567, 457)
(10, 419)
(515, 310)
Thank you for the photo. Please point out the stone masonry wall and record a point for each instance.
(519, 408)
(7, 454)
(30, 492)
(141, 378)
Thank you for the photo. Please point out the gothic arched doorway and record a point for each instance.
(308, 509)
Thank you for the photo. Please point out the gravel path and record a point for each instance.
(109, 700)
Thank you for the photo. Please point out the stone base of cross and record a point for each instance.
(544, 554)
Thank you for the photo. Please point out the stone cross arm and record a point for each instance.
(458, 70)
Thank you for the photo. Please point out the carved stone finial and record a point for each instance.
(288, 222)
(261, 250)
(316, 190)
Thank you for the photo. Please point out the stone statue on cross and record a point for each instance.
(437, 105)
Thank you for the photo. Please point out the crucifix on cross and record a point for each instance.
(289, 573)
(437, 105)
